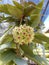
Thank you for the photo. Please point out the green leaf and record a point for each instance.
(35, 15)
(19, 6)
(4, 35)
(35, 19)
(8, 19)
(37, 41)
(40, 5)
(26, 4)
(39, 60)
(11, 10)
(2, 18)
(14, 11)
(29, 9)
(7, 39)
(10, 63)
(4, 9)
(7, 56)
(7, 45)
(41, 37)
(46, 46)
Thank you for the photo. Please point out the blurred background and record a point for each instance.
(44, 19)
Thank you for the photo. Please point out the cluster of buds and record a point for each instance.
(23, 34)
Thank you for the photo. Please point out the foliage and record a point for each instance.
(15, 53)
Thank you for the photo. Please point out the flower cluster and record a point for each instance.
(23, 34)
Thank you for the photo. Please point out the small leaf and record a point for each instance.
(39, 60)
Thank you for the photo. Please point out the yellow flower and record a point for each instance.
(23, 34)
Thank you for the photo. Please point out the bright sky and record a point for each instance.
(46, 23)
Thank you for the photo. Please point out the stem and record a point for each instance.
(21, 21)
(18, 50)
